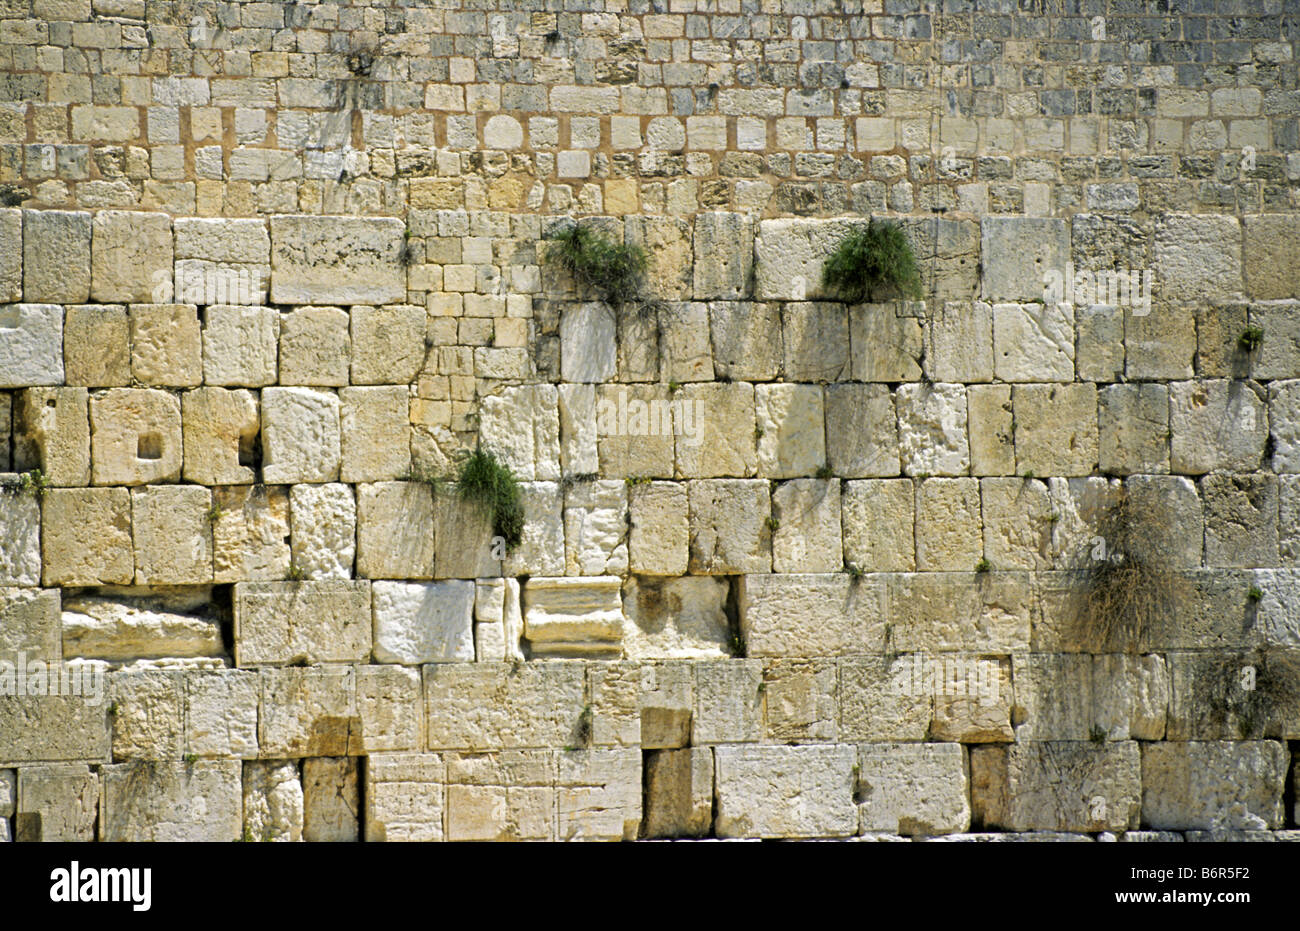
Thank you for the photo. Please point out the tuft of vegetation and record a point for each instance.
(773, 524)
(296, 573)
(825, 471)
(35, 481)
(1250, 339)
(983, 565)
(582, 730)
(214, 513)
(1257, 693)
(737, 645)
(1097, 734)
(870, 259)
(614, 270)
(1254, 595)
(854, 570)
(482, 478)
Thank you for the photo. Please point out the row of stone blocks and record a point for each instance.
(115, 256)
(880, 791)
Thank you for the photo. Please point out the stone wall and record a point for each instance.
(790, 567)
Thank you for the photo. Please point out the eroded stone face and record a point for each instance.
(345, 260)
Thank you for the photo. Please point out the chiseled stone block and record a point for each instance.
(574, 615)
(284, 623)
(679, 793)
(131, 256)
(1056, 428)
(330, 800)
(1017, 253)
(220, 428)
(11, 255)
(300, 435)
(166, 345)
(53, 728)
(387, 344)
(172, 535)
(676, 618)
(658, 539)
(337, 260)
(932, 429)
(97, 345)
(309, 712)
(250, 533)
(1057, 786)
(135, 437)
(240, 346)
(791, 426)
(395, 531)
(595, 528)
(1033, 342)
(315, 347)
(405, 797)
(56, 256)
(52, 433)
(172, 801)
(756, 785)
(812, 615)
(86, 537)
(20, 537)
(376, 442)
(878, 520)
(729, 526)
(273, 801)
(1216, 424)
(429, 622)
(485, 706)
(31, 345)
(807, 534)
(913, 788)
(1232, 785)
(56, 802)
(323, 530)
(30, 624)
(598, 794)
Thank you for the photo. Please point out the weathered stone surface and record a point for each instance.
(723, 440)
(29, 627)
(491, 705)
(724, 255)
(222, 260)
(1198, 258)
(1213, 785)
(1057, 786)
(1018, 253)
(344, 260)
(56, 256)
(97, 345)
(568, 616)
(912, 788)
(240, 346)
(395, 531)
(1033, 342)
(959, 342)
(323, 530)
(541, 551)
(375, 434)
(1240, 520)
(598, 794)
(148, 713)
(684, 348)
(166, 345)
(1284, 425)
(1159, 345)
(877, 520)
(960, 611)
(52, 433)
(949, 534)
(932, 429)
(807, 534)
(172, 535)
(785, 791)
(57, 802)
(387, 344)
(658, 539)
(1133, 421)
(588, 343)
(300, 435)
(861, 431)
(1099, 342)
(53, 729)
(679, 793)
(521, 426)
(801, 700)
(595, 528)
(1279, 355)
(812, 615)
(405, 797)
(135, 437)
(418, 623)
(1017, 523)
(250, 533)
(791, 430)
(730, 532)
(746, 340)
(466, 543)
(20, 537)
(992, 434)
(636, 432)
(886, 342)
(147, 801)
(579, 453)
(221, 713)
(675, 618)
(11, 255)
(315, 347)
(1121, 697)
(31, 345)
(309, 712)
(131, 255)
(389, 710)
(121, 629)
(668, 242)
(330, 800)
(1216, 424)
(1056, 429)
(273, 801)
(287, 623)
(221, 429)
(1270, 251)
(788, 256)
(815, 342)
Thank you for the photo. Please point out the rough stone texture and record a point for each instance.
(658, 538)
(1018, 253)
(56, 803)
(878, 522)
(31, 344)
(1198, 258)
(97, 345)
(1216, 424)
(330, 800)
(135, 437)
(300, 435)
(1133, 422)
(273, 801)
(405, 797)
(172, 535)
(724, 255)
(791, 430)
(811, 615)
(1240, 520)
(166, 345)
(56, 256)
(1213, 785)
(679, 793)
(240, 346)
(112, 629)
(788, 256)
(932, 429)
(949, 535)
(1057, 786)
(11, 255)
(375, 428)
(250, 533)
(345, 260)
(220, 429)
(315, 347)
(816, 342)
(861, 431)
(675, 618)
(729, 526)
(323, 522)
(1033, 342)
(52, 433)
(785, 791)
(20, 538)
(423, 623)
(30, 626)
(573, 616)
(539, 705)
(587, 343)
(595, 528)
(286, 623)
(912, 788)
(959, 342)
(807, 534)
(746, 340)
(387, 344)
(131, 255)
(1270, 251)
(724, 444)
(145, 801)
(1056, 429)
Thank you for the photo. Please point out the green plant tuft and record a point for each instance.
(1250, 339)
(35, 481)
(615, 270)
(870, 258)
(983, 565)
(1254, 595)
(296, 573)
(482, 478)
(825, 471)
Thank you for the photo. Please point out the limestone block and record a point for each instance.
(595, 528)
(1284, 424)
(240, 345)
(960, 612)
(1159, 345)
(323, 530)
(124, 629)
(405, 797)
(1234, 785)
(1240, 520)
(815, 342)
(788, 256)
(681, 618)
(729, 526)
(723, 442)
(521, 427)
(250, 533)
(541, 552)
(728, 697)
(598, 794)
(1017, 255)
(500, 813)
(484, 706)
(1271, 250)
(390, 708)
(131, 255)
(1122, 697)
(52, 433)
(679, 790)
(1057, 786)
(1033, 342)
(1133, 421)
(221, 428)
(375, 427)
(746, 340)
(343, 260)
(959, 342)
(636, 431)
(588, 343)
(1017, 523)
(215, 254)
(932, 429)
(658, 539)
(300, 435)
(1216, 424)
(489, 620)
(171, 535)
(330, 800)
(1217, 328)
(684, 349)
(31, 345)
(812, 615)
(668, 242)
(387, 344)
(802, 791)
(56, 256)
(148, 715)
(638, 340)
(11, 255)
(273, 801)
(30, 626)
(97, 345)
(1056, 429)
(53, 728)
(1288, 515)
(8, 793)
(1099, 342)
(973, 696)
(309, 712)
(807, 535)
(423, 623)
(1198, 258)
(465, 542)
(288, 623)
(135, 437)
(57, 802)
(568, 616)
(801, 700)
(912, 788)
(315, 347)
(878, 525)
(792, 430)
(1279, 356)
(20, 537)
(992, 433)
(148, 801)
(724, 256)
(166, 345)
(579, 453)
(861, 431)
(221, 713)
(886, 342)
(949, 534)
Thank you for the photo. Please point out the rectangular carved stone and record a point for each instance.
(283, 623)
(336, 260)
(148, 801)
(756, 784)
(567, 616)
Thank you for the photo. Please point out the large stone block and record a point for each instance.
(53, 728)
(668, 242)
(949, 534)
(807, 533)
(965, 612)
(1271, 251)
(676, 618)
(861, 431)
(1133, 421)
(746, 340)
(405, 797)
(1284, 424)
(932, 429)
(11, 255)
(636, 433)
(388, 344)
(679, 793)
(588, 350)
(791, 425)
(466, 545)
(730, 531)
(221, 428)
(598, 794)
(1240, 520)
(812, 615)
(483, 706)
(323, 530)
(309, 712)
(1033, 342)
(785, 791)
(574, 616)
(135, 437)
(724, 255)
(300, 435)
(287, 623)
(1119, 696)
(878, 525)
(395, 531)
(521, 426)
(390, 709)
(959, 342)
(343, 260)
(1216, 424)
(172, 535)
(541, 551)
(29, 625)
(118, 629)
(912, 789)
(20, 537)
(148, 801)
(31, 345)
(222, 254)
(250, 533)
(1019, 253)
(886, 342)
(97, 345)
(1233, 785)
(56, 256)
(1197, 258)
(815, 342)
(330, 800)
(376, 444)
(52, 433)
(1057, 786)
(1279, 355)
(992, 432)
(788, 256)
(315, 347)
(148, 713)
(723, 441)
(684, 349)
(1056, 428)
(240, 345)
(658, 539)
(418, 623)
(131, 255)
(56, 802)
(86, 537)
(273, 801)
(595, 528)
(221, 713)
(166, 345)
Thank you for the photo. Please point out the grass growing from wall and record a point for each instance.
(871, 258)
(485, 480)
(1258, 692)
(614, 270)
